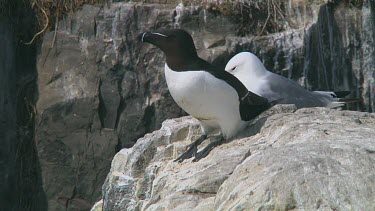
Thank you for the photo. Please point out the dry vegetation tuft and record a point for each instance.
(257, 17)
(50, 11)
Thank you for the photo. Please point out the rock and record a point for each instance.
(313, 158)
(8, 124)
(98, 206)
(307, 164)
(20, 181)
(99, 90)
(73, 147)
(109, 101)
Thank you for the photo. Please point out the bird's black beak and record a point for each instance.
(151, 37)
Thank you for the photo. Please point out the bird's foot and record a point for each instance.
(187, 154)
(204, 152)
(192, 150)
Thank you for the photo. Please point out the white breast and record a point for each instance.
(212, 101)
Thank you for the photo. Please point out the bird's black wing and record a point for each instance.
(251, 104)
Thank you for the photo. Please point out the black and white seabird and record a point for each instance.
(213, 96)
(252, 73)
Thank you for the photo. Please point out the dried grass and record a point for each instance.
(49, 12)
(256, 17)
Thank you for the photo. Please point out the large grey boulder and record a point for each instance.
(309, 159)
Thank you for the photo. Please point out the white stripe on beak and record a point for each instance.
(163, 35)
(143, 35)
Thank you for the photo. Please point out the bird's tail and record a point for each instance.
(339, 94)
(342, 103)
(338, 98)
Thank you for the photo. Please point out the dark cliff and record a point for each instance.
(20, 174)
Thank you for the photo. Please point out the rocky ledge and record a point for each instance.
(312, 159)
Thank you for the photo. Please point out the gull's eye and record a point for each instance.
(233, 68)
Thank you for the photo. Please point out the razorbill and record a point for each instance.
(216, 98)
(252, 73)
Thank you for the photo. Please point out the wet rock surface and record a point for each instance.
(100, 89)
(315, 159)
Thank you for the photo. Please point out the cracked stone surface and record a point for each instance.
(313, 159)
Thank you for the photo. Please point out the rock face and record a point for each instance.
(313, 159)
(20, 181)
(99, 90)
(7, 108)
(95, 95)
(70, 141)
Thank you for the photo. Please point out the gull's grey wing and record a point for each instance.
(291, 93)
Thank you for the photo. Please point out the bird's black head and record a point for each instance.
(177, 44)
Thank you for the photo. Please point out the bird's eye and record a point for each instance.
(234, 68)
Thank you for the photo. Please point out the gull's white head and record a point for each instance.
(249, 70)
(245, 63)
